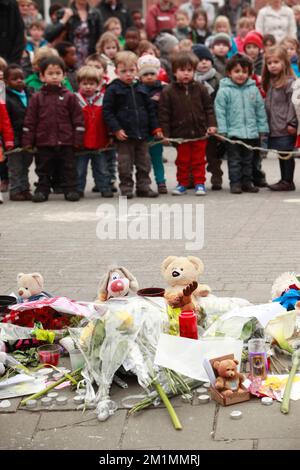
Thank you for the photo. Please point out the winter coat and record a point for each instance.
(158, 19)
(154, 91)
(96, 135)
(119, 12)
(186, 111)
(129, 107)
(211, 80)
(95, 26)
(11, 31)
(34, 83)
(6, 131)
(280, 109)
(16, 111)
(281, 23)
(199, 38)
(53, 118)
(240, 110)
(220, 64)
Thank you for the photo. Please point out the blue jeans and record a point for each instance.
(100, 169)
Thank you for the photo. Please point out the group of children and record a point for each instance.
(132, 96)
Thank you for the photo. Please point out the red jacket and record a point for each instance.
(6, 131)
(53, 118)
(96, 135)
(158, 19)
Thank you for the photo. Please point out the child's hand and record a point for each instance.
(9, 148)
(159, 135)
(121, 135)
(291, 130)
(211, 130)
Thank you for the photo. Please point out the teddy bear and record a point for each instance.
(117, 282)
(30, 287)
(229, 380)
(182, 274)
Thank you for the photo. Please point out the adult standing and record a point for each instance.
(277, 19)
(115, 8)
(160, 16)
(83, 26)
(193, 5)
(11, 31)
(233, 9)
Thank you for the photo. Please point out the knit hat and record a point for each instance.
(166, 43)
(253, 37)
(221, 37)
(148, 63)
(202, 52)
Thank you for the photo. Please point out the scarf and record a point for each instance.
(22, 95)
(203, 77)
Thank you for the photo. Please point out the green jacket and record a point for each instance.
(34, 81)
(240, 110)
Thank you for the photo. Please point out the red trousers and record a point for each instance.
(191, 159)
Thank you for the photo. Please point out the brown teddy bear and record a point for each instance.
(229, 380)
(182, 274)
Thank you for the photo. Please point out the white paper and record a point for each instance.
(264, 312)
(186, 355)
(16, 379)
(22, 389)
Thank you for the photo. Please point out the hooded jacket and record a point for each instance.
(240, 110)
(186, 111)
(53, 118)
(130, 108)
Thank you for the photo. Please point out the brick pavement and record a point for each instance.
(249, 240)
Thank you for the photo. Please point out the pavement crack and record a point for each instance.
(125, 427)
(215, 421)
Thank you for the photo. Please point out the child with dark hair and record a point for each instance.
(186, 111)
(241, 115)
(17, 100)
(36, 40)
(268, 41)
(199, 25)
(139, 22)
(54, 123)
(67, 52)
(132, 39)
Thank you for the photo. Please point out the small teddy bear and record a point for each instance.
(182, 275)
(30, 287)
(117, 282)
(229, 380)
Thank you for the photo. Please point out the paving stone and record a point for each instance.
(16, 430)
(14, 405)
(288, 443)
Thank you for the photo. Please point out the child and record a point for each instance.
(251, 14)
(243, 28)
(132, 39)
(24, 7)
(222, 25)
(33, 81)
(268, 41)
(241, 115)
(7, 137)
(129, 115)
(54, 123)
(199, 25)
(108, 46)
(148, 69)
(139, 23)
(278, 80)
(182, 29)
(67, 52)
(186, 111)
(90, 98)
(207, 74)
(113, 25)
(220, 47)
(185, 45)
(253, 46)
(148, 48)
(293, 49)
(18, 163)
(36, 40)
(167, 45)
(95, 60)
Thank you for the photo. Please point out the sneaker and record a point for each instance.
(147, 193)
(72, 196)
(282, 186)
(179, 190)
(162, 188)
(27, 194)
(107, 193)
(4, 186)
(200, 190)
(236, 189)
(95, 190)
(249, 188)
(17, 197)
(39, 197)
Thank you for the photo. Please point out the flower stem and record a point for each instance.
(167, 403)
(288, 388)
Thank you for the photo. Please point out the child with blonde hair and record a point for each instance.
(243, 28)
(222, 26)
(293, 48)
(130, 116)
(108, 46)
(278, 80)
(114, 26)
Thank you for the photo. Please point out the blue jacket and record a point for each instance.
(240, 110)
(129, 107)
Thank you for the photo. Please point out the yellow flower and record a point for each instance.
(126, 320)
